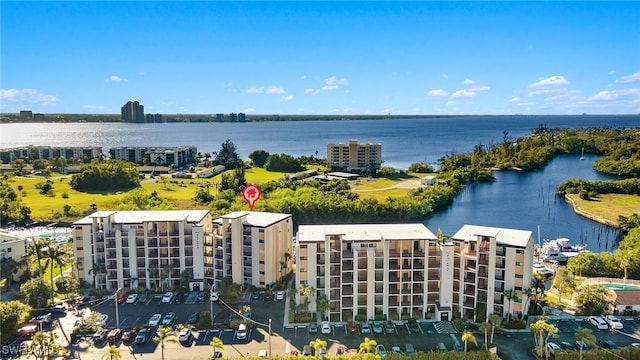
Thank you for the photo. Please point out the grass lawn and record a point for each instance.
(609, 206)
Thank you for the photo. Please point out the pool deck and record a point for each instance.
(635, 284)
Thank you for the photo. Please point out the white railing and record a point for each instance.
(615, 281)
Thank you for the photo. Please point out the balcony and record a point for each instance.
(470, 278)
(347, 254)
(394, 253)
(469, 291)
(347, 278)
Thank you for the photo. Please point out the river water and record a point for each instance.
(521, 200)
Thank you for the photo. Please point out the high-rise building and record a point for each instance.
(163, 156)
(354, 156)
(133, 112)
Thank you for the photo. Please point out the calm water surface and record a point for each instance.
(521, 200)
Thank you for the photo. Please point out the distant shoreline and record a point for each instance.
(11, 118)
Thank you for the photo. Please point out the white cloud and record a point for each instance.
(629, 78)
(329, 87)
(550, 81)
(479, 88)
(545, 92)
(468, 82)
(93, 107)
(611, 72)
(249, 110)
(309, 91)
(254, 90)
(28, 95)
(450, 103)
(275, 90)
(437, 92)
(444, 76)
(463, 93)
(334, 80)
(286, 98)
(115, 78)
(515, 100)
(615, 94)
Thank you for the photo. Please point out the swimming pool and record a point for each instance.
(620, 287)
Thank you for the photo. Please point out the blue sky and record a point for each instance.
(321, 57)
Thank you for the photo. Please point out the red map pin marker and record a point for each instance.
(251, 193)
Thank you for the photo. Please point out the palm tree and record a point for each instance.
(36, 248)
(216, 343)
(55, 255)
(586, 336)
(468, 336)
(493, 320)
(539, 288)
(112, 353)
(43, 344)
(165, 334)
(510, 295)
(528, 292)
(367, 346)
(485, 327)
(318, 344)
(98, 268)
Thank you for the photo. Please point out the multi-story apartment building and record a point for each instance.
(142, 248)
(162, 156)
(490, 264)
(402, 271)
(49, 152)
(132, 111)
(13, 247)
(354, 156)
(368, 271)
(253, 248)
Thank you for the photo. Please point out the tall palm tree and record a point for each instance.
(468, 336)
(367, 346)
(586, 336)
(510, 295)
(112, 353)
(165, 334)
(318, 344)
(538, 285)
(36, 248)
(216, 343)
(485, 327)
(98, 268)
(55, 255)
(493, 320)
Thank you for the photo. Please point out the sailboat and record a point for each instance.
(582, 156)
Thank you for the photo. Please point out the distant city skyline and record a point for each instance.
(306, 58)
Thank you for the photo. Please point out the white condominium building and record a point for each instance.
(253, 248)
(401, 271)
(369, 271)
(354, 156)
(491, 264)
(153, 249)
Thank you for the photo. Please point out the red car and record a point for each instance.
(28, 330)
(353, 327)
(121, 297)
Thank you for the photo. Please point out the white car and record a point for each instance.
(155, 320)
(132, 298)
(184, 335)
(167, 297)
(598, 322)
(552, 348)
(613, 322)
(325, 328)
(242, 331)
(169, 318)
(104, 319)
(280, 295)
(214, 296)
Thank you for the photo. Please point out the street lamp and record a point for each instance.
(211, 290)
(269, 338)
(115, 296)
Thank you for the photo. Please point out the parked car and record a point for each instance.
(167, 297)
(607, 344)
(390, 327)
(414, 327)
(636, 345)
(377, 327)
(255, 296)
(169, 318)
(242, 332)
(144, 297)
(128, 335)
(27, 330)
(58, 310)
(114, 336)
(614, 322)
(280, 295)
(313, 328)
(396, 350)
(100, 336)
(552, 348)
(408, 349)
(565, 345)
(381, 350)
(132, 298)
(155, 319)
(268, 295)
(184, 334)
(442, 347)
(216, 355)
(598, 322)
(365, 328)
(121, 297)
(193, 318)
(352, 326)
(143, 335)
(307, 350)
(42, 319)
(104, 319)
(325, 327)
(214, 296)
(579, 343)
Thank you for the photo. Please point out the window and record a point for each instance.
(261, 272)
(518, 276)
(303, 270)
(518, 263)
(261, 262)
(261, 241)
(519, 251)
(304, 246)
(261, 230)
(303, 258)
(431, 243)
(8, 250)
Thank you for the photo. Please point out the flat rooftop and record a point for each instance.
(365, 232)
(510, 237)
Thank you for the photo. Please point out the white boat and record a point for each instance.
(559, 250)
